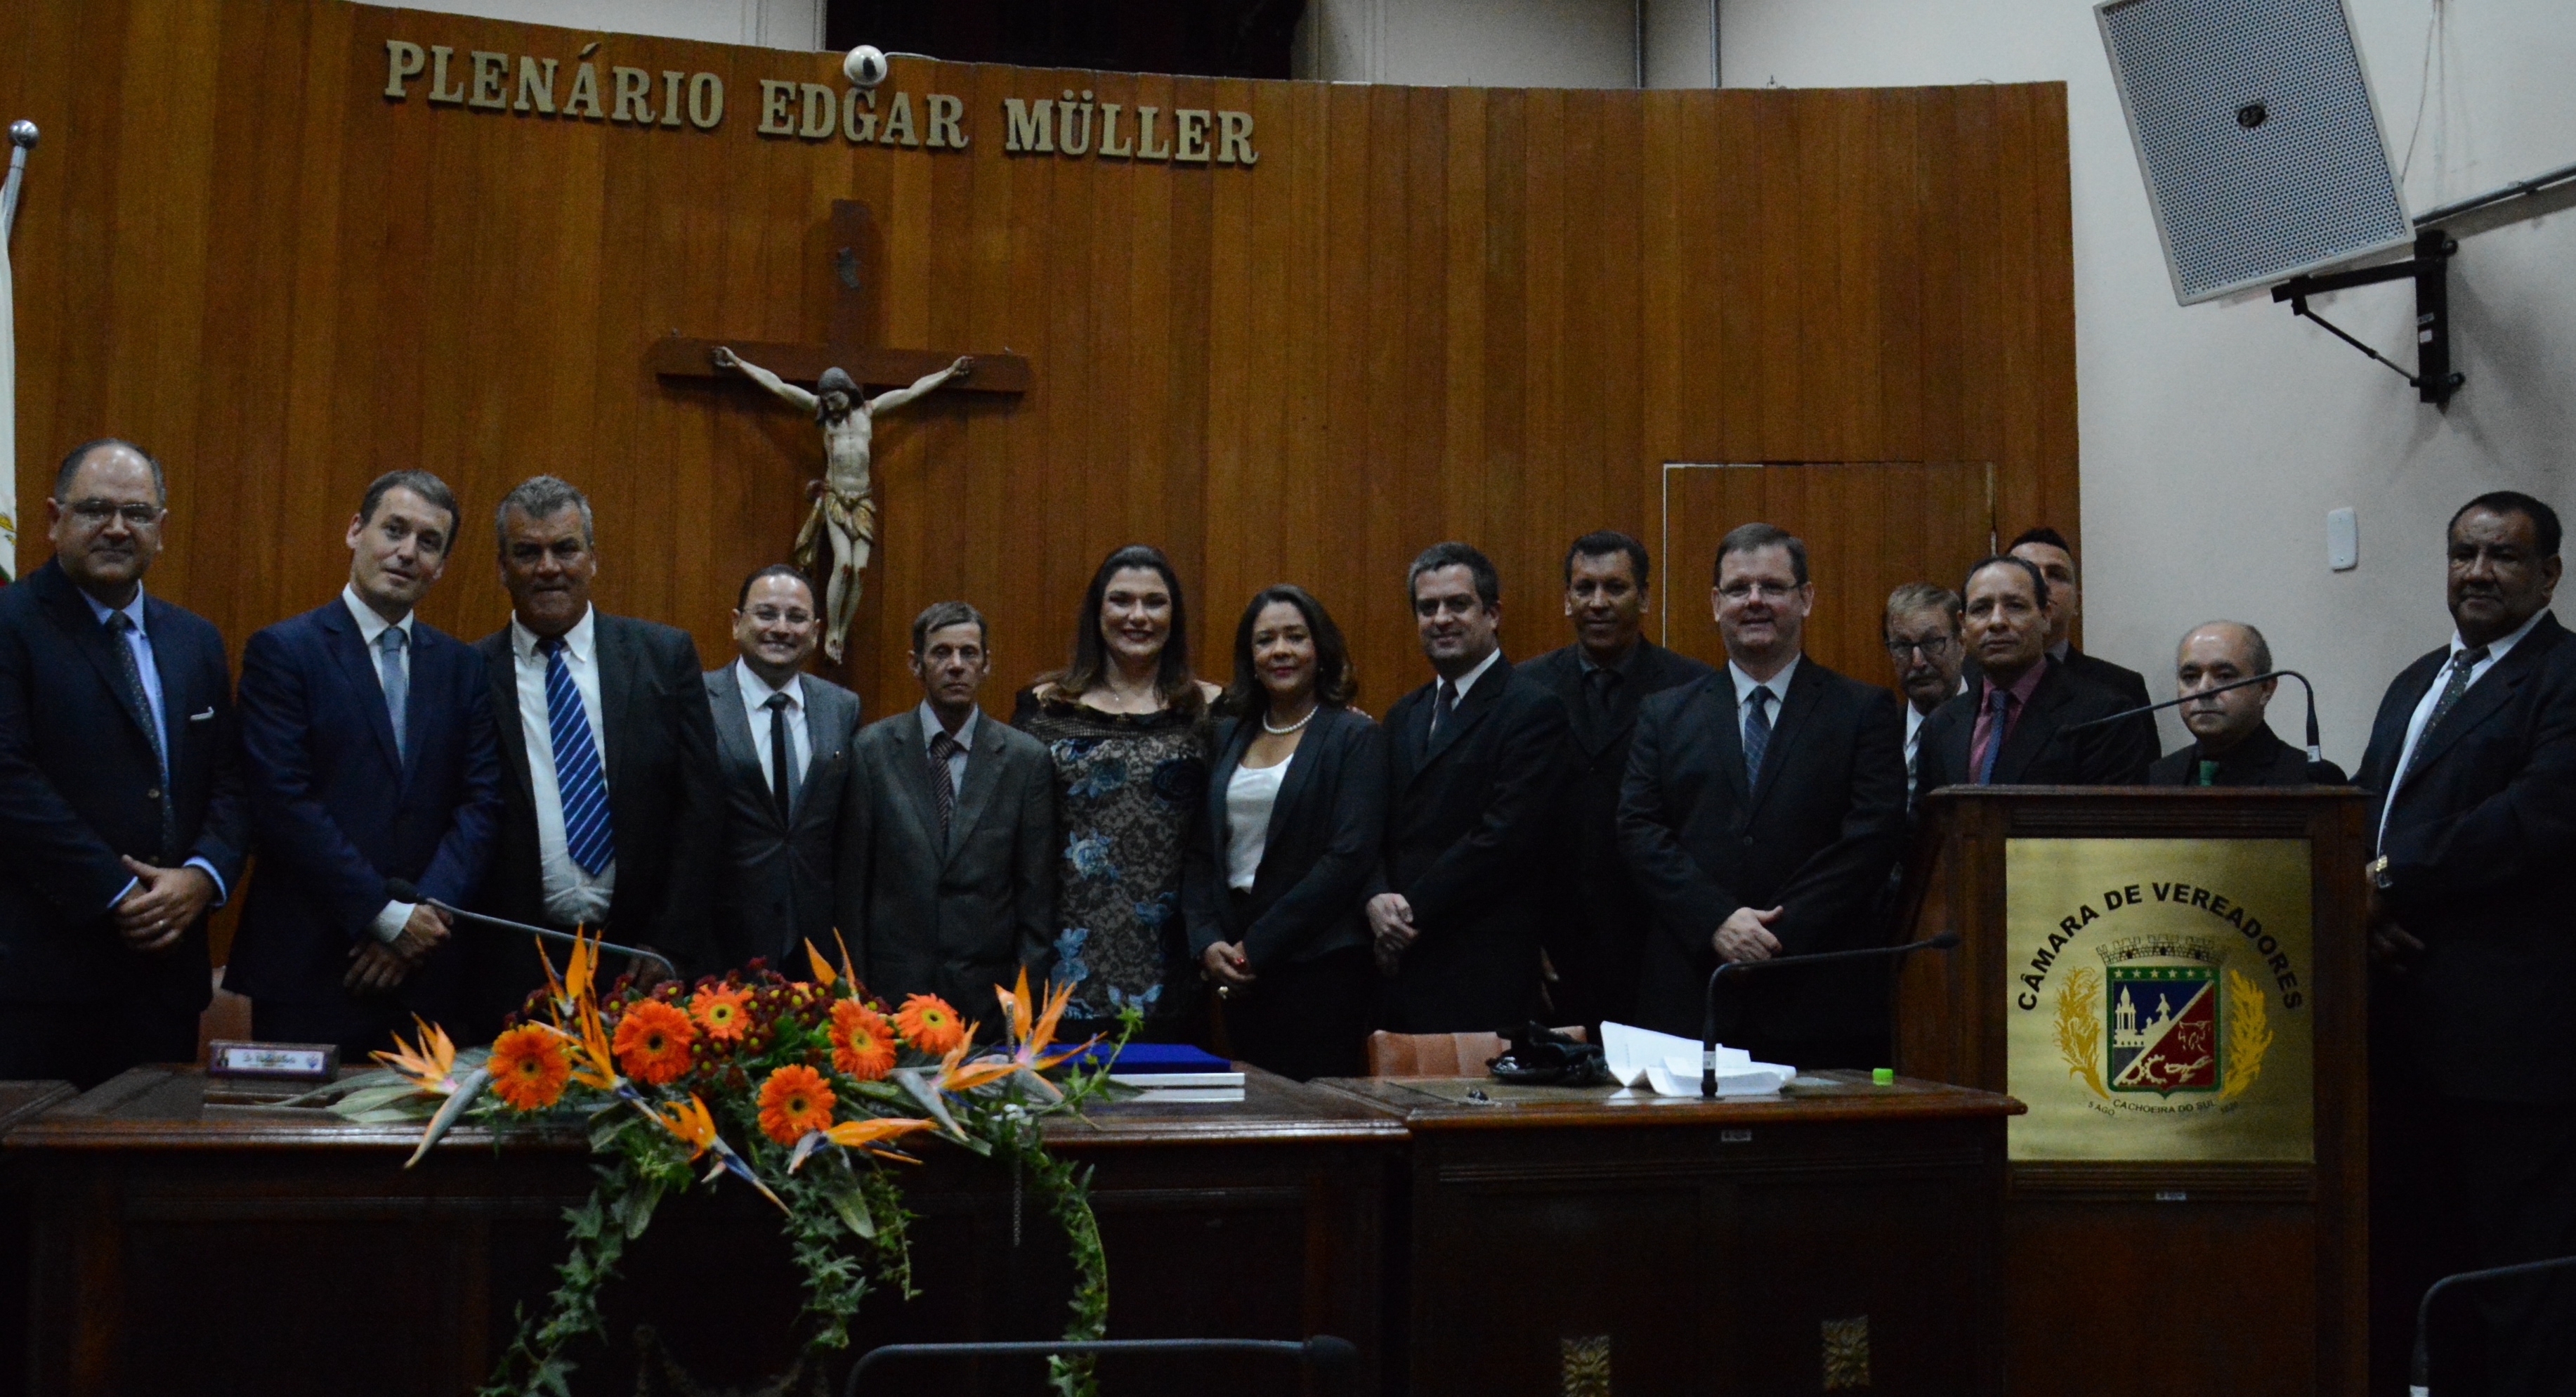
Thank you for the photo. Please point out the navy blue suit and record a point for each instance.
(338, 815)
(80, 785)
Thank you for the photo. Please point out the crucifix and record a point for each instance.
(843, 520)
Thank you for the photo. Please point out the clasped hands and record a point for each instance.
(1391, 929)
(163, 904)
(376, 967)
(1746, 935)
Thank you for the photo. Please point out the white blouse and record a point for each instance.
(1249, 794)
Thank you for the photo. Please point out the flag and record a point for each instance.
(9, 359)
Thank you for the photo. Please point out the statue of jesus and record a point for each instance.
(845, 505)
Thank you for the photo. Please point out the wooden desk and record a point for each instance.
(1777, 1245)
(18, 1101)
(187, 1248)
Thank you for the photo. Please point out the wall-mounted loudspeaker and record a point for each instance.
(2254, 126)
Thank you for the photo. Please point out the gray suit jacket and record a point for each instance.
(774, 879)
(955, 917)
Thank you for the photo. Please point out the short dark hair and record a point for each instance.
(419, 482)
(2042, 534)
(541, 497)
(1745, 538)
(1336, 681)
(743, 598)
(1453, 554)
(2544, 520)
(2029, 569)
(1921, 596)
(940, 615)
(1601, 543)
(79, 454)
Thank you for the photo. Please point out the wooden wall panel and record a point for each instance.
(1425, 313)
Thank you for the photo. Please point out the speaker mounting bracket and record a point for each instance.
(2434, 380)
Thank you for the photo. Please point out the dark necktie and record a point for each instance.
(397, 686)
(1600, 689)
(1757, 733)
(581, 787)
(119, 626)
(1998, 704)
(782, 775)
(943, 787)
(2458, 684)
(1443, 704)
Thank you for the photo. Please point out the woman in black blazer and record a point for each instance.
(1296, 803)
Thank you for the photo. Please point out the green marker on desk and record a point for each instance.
(1882, 1076)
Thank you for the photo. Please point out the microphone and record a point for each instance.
(2316, 749)
(1947, 940)
(401, 891)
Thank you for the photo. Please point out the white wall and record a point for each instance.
(2216, 437)
(1470, 43)
(778, 24)
(1681, 43)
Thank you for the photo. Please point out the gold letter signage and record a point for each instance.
(2158, 1002)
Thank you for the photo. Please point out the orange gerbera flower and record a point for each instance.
(653, 1042)
(529, 1067)
(862, 1041)
(722, 1012)
(793, 1101)
(929, 1024)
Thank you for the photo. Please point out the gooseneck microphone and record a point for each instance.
(2316, 749)
(1708, 1023)
(401, 891)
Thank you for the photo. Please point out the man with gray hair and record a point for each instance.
(2232, 744)
(947, 869)
(611, 801)
(1921, 631)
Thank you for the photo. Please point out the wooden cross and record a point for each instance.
(857, 331)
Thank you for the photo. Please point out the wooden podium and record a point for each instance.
(2173, 981)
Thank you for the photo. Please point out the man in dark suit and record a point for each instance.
(2473, 758)
(367, 750)
(1921, 630)
(1476, 761)
(1597, 933)
(2019, 722)
(1762, 809)
(121, 814)
(2231, 743)
(947, 877)
(611, 801)
(783, 740)
(2046, 549)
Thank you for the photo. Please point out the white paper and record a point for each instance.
(1670, 1065)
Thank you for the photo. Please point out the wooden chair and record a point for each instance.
(1441, 1054)
(227, 1016)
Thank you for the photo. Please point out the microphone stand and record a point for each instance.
(1947, 940)
(401, 891)
(2316, 750)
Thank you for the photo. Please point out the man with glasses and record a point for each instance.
(1762, 809)
(121, 815)
(1921, 631)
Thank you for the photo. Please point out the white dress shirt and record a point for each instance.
(1745, 684)
(371, 627)
(149, 671)
(1914, 719)
(1468, 680)
(930, 728)
(756, 694)
(1249, 795)
(573, 897)
(2423, 717)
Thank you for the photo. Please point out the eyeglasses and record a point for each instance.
(1933, 647)
(1746, 591)
(97, 512)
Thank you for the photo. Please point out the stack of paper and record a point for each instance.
(1670, 1066)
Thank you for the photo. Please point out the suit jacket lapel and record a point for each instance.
(617, 684)
(95, 642)
(1805, 688)
(349, 649)
(827, 739)
(1229, 755)
(1724, 719)
(501, 666)
(983, 773)
(733, 737)
(1292, 786)
(2030, 735)
(1471, 709)
(2484, 699)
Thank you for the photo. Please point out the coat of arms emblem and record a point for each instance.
(2164, 1016)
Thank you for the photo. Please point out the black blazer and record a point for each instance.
(2120, 680)
(665, 799)
(2262, 759)
(1816, 835)
(2479, 840)
(774, 877)
(1322, 844)
(2115, 754)
(339, 812)
(80, 785)
(1469, 818)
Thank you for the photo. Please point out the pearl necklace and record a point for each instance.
(1292, 727)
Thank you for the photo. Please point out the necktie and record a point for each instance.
(1599, 686)
(1757, 733)
(943, 789)
(579, 783)
(2452, 688)
(1443, 704)
(1997, 703)
(389, 653)
(119, 626)
(782, 776)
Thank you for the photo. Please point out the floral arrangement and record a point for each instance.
(804, 1090)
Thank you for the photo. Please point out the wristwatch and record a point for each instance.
(2378, 871)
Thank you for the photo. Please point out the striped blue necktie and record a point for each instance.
(1757, 734)
(579, 782)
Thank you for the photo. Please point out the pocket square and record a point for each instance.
(206, 717)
